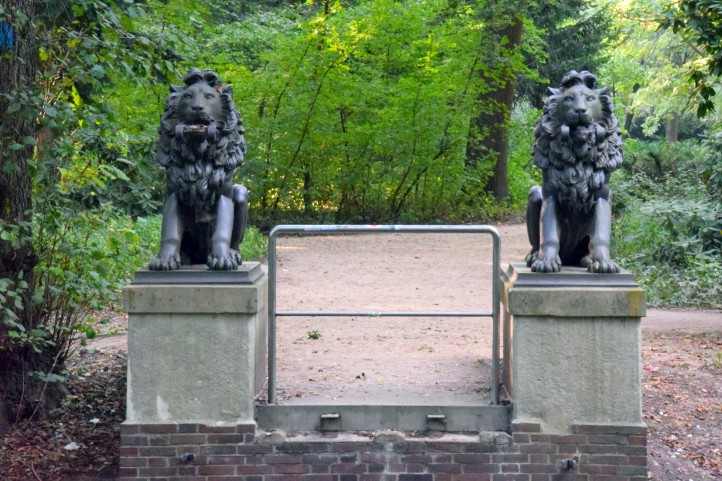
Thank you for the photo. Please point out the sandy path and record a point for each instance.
(397, 360)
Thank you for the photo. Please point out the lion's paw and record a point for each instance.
(542, 264)
(531, 257)
(165, 263)
(602, 266)
(229, 262)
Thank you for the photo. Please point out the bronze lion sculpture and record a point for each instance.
(577, 146)
(201, 144)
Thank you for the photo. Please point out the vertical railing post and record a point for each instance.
(272, 316)
(496, 261)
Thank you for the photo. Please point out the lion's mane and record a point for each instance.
(197, 171)
(577, 159)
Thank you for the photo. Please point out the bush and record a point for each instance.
(86, 257)
(668, 227)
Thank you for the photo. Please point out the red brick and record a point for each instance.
(320, 468)
(348, 468)
(472, 458)
(254, 449)
(510, 458)
(632, 450)
(126, 451)
(570, 439)
(253, 469)
(416, 458)
(445, 468)
(288, 469)
(539, 458)
(218, 470)
(225, 459)
(158, 462)
(542, 477)
(415, 477)
(526, 427)
(219, 449)
(415, 468)
(327, 477)
(638, 440)
(188, 428)
(283, 459)
(129, 429)
(157, 451)
(616, 459)
(538, 448)
(511, 477)
(225, 438)
(608, 429)
(521, 438)
(159, 428)
(509, 468)
(204, 428)
(160, 440)
(226, 478)
(637, 460)
(133, 462)
(481, 468)
(597, 469)
(136, 440)
(608, 439)
(157, 471)
(128, 472)
(538, 468)
(348, 477)
(472, 477)
(246, 428)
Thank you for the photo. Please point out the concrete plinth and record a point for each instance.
(196, 352)
(575, 349)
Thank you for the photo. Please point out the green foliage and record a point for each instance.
(700, 23)
(669, 223)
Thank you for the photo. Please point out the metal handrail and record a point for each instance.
(380, 229)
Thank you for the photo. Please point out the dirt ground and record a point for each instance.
(446, 360)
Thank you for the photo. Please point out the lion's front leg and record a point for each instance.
(548, 260)
(222, 257)
(171, 233)
(599, 259)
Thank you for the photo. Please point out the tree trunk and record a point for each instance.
(489, 130)
(18, 69)
(671, 128)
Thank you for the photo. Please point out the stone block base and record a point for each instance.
(197, 452)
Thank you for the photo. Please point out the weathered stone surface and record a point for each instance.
(189, 363)
(194, 298)
(576, 355)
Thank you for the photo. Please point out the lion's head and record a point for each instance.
(578, 126)
(201, 138)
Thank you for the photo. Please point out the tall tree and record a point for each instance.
(18, 71)
(572, 35)
(501, 62)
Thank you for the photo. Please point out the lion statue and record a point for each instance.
(201, 144)
(577, 146)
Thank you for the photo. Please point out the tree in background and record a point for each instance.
(571, 36)
(499, 64)
(699, 22)
(55, 58)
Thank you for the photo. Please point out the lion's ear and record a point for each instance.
(552, 91)
(227, 90)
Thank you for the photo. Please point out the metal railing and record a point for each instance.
(277, 231)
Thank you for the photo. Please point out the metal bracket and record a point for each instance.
(436, 422)
(330, 422)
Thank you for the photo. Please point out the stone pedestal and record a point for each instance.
(575, 348)
(196, 349)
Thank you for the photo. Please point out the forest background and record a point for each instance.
(364, 111)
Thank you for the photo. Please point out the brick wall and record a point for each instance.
(196, 452)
